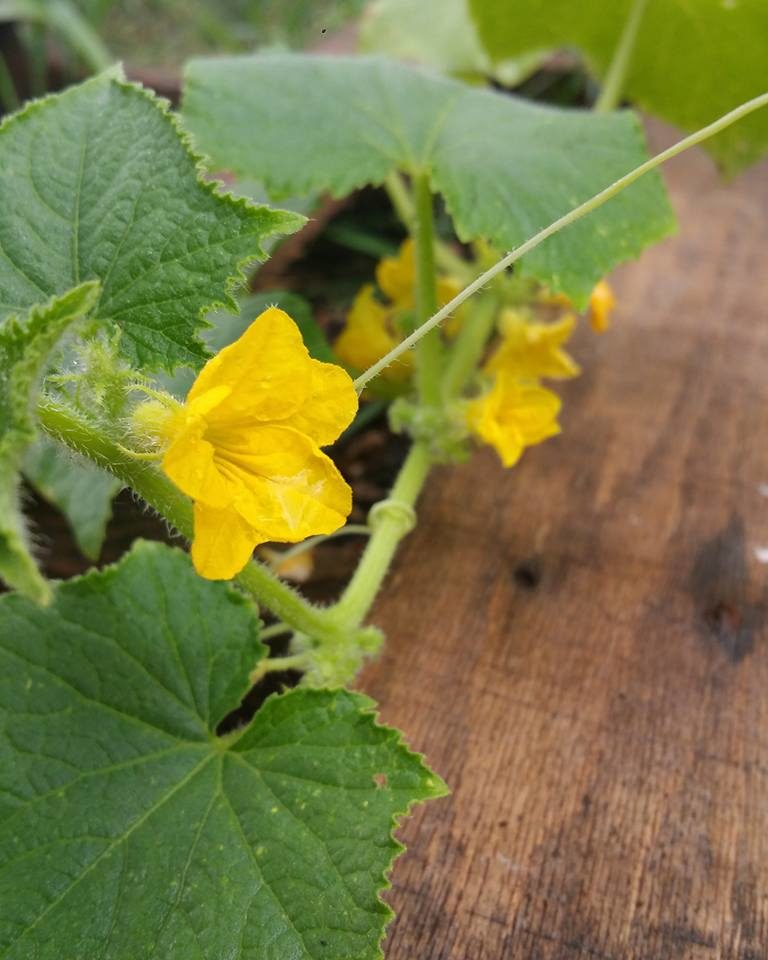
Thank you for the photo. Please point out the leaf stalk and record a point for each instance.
(391, 521)
(615, 79)
(430, 349)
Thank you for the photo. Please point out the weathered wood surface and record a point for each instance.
(579, 645)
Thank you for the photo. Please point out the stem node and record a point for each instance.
(395, 512)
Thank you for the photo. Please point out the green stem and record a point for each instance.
(9, 98)
(296, 661)
(429, 351)
(154, 488)
(33, 38)
(452, 264)
(80, 35)
(351, 529)
(467, 351)
(401, 199)
(393, 522)
(571, 217)
(274, 630)
(402, 202)
(64, 17)
(613, 85)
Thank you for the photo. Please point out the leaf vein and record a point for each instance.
(112, 846)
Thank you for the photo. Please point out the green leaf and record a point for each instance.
(693, 61)
(129, 830)
(82, 492)
(25, 347)
(97, 183)
(440, 34)
(506, 168)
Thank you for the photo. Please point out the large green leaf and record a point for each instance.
(130, 831)
(82, 491)
(97, 183)
(506, 168)
(438, 33)
(693, 61)
(25, 347)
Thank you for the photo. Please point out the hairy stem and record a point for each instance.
(613, 85)
(467, 351)
(571, 217)
(402, 202)
(391, 520)
(430, 348)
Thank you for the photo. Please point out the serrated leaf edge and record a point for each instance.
(285, 221)
(435, 786)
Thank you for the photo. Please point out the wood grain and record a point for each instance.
(579, 645)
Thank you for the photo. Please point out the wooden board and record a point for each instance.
(579, 644)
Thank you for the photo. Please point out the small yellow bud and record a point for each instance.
(152, 422)
(601, 304)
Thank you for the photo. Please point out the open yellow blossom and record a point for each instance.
(513, 415)
(369, 333)
(246, 446)
(529, 349)
(601, 304)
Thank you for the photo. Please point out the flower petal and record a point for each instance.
(530, 349)
(601, 304)
(288, 488)
(396, 276)
(513, 415)
(223, 542)
(267, 369)
(190, 462)
(365, 337)
(330, 407)
(205, 401)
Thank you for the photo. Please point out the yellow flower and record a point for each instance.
(513, 415)
(298, 567)
(369, 333)
(374, 328)
(396, 277)
(555, 299)
(601, 304)
(532, 349)
(246, 446)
